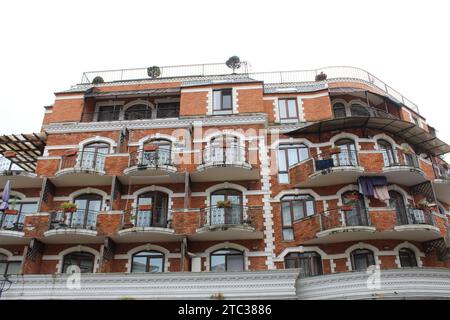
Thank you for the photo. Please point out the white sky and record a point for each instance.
(46, 45)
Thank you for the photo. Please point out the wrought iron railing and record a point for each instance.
(344, 218)
(401, 159)
(12, 222)
(145, 159)
(415, 216)
(232, 214)
(84, 160)
(150, 217)
(224, 155)
(364, 111)
(118, 115)
(344, 158)
(80, 219)
(441, 172)
(336, 73)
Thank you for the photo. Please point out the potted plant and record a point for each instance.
(68, 207)
(154, 72)
(150, 147)
(321, 76)
(334, 150)
(98, 80)
(233, 63)
(145, 207)
(423, 204)
(406, 149)
(9, 154)
(346, 207)
(223, 204)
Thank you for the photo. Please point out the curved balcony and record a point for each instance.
(147, 224)
(225, 164)
(233, 222)
(441, 183)
(11, 229)
(73, 227)
(83, 168)
(153, 166)
(406, 171)
(416, 225)
(18, 176)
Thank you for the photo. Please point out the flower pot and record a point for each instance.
(145, 207)
(128, 225)
(9, 154)
(346, 207)
(11, 212)
(223, 204)
(334, 151)
(69, 210)
(321, 76)
(150, 147)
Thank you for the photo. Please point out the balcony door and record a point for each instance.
(88, 206)
(396, 202)
(157, 152)
(226, 207)
(225, 149)
(93, 156)
(152, 209)
(358, 215)
(347, 156)
(387, 152)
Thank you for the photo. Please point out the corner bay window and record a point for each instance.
(222, 101)
(227, 260)
(148, 261)
(310, 263)
(288, 109)
(295, 208)
(288, 155)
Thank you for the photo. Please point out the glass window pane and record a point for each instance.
(292, 156)
(139, 264)
(14, 267)
(303, 153)
(288, 234)
(235, 263)
(2, 268)
(282, 160)
(156, 265)
(309, 208)
(292, 108)
(218, 263)
(282, 109)
(286, 211)
(217, 103)
(297, 208)
(283, 178)
(226, 100)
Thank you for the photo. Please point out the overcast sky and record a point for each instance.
(46, 45)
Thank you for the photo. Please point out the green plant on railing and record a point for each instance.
(223, 204)
(233, 63)
(68, 207)
(154, 72)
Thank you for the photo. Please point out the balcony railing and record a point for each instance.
(441, 172)
(364, 111)
(415, 216)
(357, 217)
(13, 222)
(151, 217)
(80, 219)
(87, 160)
(7, 165)
(402, 159)
(224, 155)
(157, 158)
(230, 215)
(118, 115)
(343, 159)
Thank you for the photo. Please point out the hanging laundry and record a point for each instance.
(379, 181)
(367, 184)
(324, 164)
(381, 193)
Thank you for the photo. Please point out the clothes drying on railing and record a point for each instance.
(374, 187)
(324, 164)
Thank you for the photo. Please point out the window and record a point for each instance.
(93, 156)
(227, 260)
(310, 263)
(108, 113)
(138, 112)
(362, 259)
(148, 261)
(222, 101)
(8, 267)
(157, 152)
(152, 209)
(388, 153)
(224, 149)
(357, 216)
(15, 221)
(231, 213)
(411, 160)
(288, 109)
(295, 208)
(168, 110)
(88, 206)
(348, 155)
(289, 155)
(83, 260)
(416, 121)
(339, 110)
(396, 202)
(407, 258)
(359, 110)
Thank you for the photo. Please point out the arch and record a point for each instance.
(225, 185)
(297, 192)
(226, 245)
(341, 191)
(406, 196)
(227, 132)
(300, 249)
(361, 245)
(157, 136)
(79, 248)
(107, 140)
(169, 193)
(345, 135)
(291, 140)
(7, 253)
(148, 247)
(136, 102)
(412, 247)
(80, 192)
(384, 136)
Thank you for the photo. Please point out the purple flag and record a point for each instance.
(5, 196)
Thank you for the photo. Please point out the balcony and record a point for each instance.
(233, 222)
(147, 224)
(405, 171)
(167, 112)
(441, 183)
(18, 176)
(11, 228)
(416, 225)
(153, 166)
(83, 168)
(73, 227)
(225, 164)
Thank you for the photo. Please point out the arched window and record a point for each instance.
(224, 149)
(288, 155)
(339, 110)
(388, 153)
(88, 206)
(362, 259)
(15, 221)
(357, 216)
(152, 209)
(138, 112)
(295, 207)
(148, 261)
(157, 152)
(396, 202)
(93, 156)
(8, 267)
(310, 263)
(348, 155)
(407, 258)
(226, 207)
(83, 260)
(358, 110)
(227, 260)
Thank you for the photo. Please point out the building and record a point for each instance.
(196, 182)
